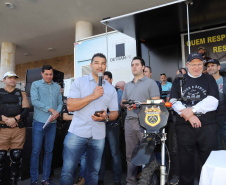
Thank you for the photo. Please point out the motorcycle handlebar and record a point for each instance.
(132, 102)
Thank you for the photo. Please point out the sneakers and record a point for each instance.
(174, 180)
(47, 182)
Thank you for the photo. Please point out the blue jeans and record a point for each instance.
(221, 135)
(74, 147)
(112, 135)
(38, 133)
(82, 172)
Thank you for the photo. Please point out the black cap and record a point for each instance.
(214, 61)
(194, 56)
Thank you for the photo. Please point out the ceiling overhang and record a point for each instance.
(170, 19)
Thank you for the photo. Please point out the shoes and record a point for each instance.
(81, 181)
(174, 180)
(117, 183)
(100, 182)
(139, 176)
(34, 183)
(47, 182)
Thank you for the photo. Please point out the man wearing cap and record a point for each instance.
(202, 51)
(14, 108)
(213, 68)
(196, 126)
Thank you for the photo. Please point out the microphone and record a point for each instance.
(100, 78)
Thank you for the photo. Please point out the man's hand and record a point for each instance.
(195, 122)
(54, 116)
(129, 107)
(54, 112)
(186, 113)
(11, 122)
(98, 92)
(102, 117)
(126, 106)
(4, 118)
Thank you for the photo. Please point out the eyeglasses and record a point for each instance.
(195, 65)
(162, 74)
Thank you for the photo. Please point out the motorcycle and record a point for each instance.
(153, 116)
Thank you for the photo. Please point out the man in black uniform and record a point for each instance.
(14, 108)
(196, 126)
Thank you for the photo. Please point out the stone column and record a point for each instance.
(8, 51)
(83, 30)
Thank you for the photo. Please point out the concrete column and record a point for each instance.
(8, 51)
(83, 29)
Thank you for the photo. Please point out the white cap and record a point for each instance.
(9, 74)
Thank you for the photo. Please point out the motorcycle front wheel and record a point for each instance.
(150, 174)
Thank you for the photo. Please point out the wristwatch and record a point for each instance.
(107, 119)
(193, 110)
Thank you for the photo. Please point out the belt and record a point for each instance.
(112, 124)
(4, 126)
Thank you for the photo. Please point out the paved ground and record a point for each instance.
(108, 178)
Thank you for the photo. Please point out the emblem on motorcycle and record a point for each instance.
(152, 117)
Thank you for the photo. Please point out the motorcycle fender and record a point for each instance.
(142, 152)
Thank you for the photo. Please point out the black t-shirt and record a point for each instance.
(64, 110)
(195, 90)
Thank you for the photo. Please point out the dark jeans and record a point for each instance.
(221, 135)
(74, 147)
(203, 139)
(112, 136)
(173, 147)
(38, 133)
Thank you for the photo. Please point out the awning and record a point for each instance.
(170, 19)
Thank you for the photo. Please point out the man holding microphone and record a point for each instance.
(87, 130)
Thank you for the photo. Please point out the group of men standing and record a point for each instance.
(196, 123)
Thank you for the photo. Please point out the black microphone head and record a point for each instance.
(100, 78)
(180, 76)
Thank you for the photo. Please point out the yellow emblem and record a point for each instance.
(152, 117)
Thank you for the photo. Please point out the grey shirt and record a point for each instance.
(82, 124)
(143, 90)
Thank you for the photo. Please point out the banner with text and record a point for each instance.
(214, 41)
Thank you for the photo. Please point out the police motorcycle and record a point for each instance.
(153, 116)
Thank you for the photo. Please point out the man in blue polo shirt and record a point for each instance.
(87, 131)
